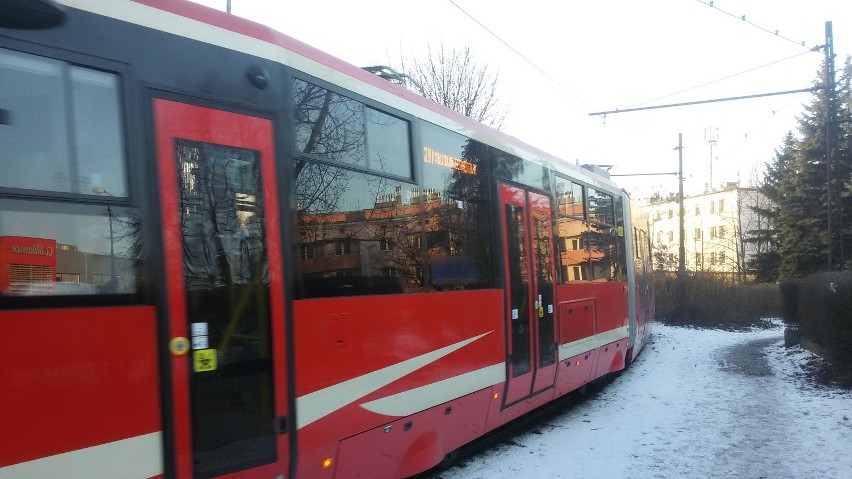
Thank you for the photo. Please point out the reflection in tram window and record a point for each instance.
(53, 248)
(458, 245)
(334, 127)
(65, 133)
(359, 233)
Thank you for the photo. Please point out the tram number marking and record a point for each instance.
(204, 360)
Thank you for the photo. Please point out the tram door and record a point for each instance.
(528, 256)
(224, 292)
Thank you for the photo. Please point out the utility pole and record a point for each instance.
(681, 267)
(829, 147)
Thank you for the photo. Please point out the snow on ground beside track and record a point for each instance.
(695, 404)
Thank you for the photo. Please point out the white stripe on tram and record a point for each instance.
(319, 404)
(137, 457)
(409, 402)
(569, 350)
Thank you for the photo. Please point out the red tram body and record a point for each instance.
(227, 254)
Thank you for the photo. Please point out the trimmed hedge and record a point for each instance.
(822, 306)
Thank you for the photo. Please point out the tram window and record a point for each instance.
(519, 170)
(350, 217)
(64, 130)
(62, 137)
(601, 207)
(457, 223)
(334, 127)
(621, 241)
(603, 252)
(570, 197)
(573, 251)
(52, 248)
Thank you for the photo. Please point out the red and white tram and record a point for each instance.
(224, 253)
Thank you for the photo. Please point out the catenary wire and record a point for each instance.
(711, 4)
(719, 79)
(521, 55)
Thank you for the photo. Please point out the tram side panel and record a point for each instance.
(81, 391)
(393, 382)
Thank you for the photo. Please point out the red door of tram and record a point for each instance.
(527, 253)
(224, 286)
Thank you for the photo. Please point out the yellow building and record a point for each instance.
(715, 226)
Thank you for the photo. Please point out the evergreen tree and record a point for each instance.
(766, 264)
(843, 165)
(796, 182)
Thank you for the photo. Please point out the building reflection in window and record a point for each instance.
(56, 248)
(360, 233)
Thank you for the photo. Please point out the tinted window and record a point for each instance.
(519, 280)
(570, 198)
(337, 128)
(226, 276)
(519, 170)
(455, 200)
(360, 233)
(352, 233)
(572, 237)
(603, 252)
(52, 248)
(61, 132)
(63, 128)
(601, 207)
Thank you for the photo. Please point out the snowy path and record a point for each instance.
(695, 404)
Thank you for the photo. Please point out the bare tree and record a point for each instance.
(455, 79)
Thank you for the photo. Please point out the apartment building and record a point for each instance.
(715, 224)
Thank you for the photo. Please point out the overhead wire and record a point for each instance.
(719, 79)
(710, 3)
(521, 55)
(777, 33)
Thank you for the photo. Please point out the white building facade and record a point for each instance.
(715, 225)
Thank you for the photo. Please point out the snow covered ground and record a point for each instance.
(695, 404)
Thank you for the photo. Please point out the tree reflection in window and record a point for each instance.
(333, 127)
(398, 237)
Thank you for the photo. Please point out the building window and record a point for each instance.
(721, 206)
(671, 236)
(697, 209)
(386, 244)
(307, 251)
(697, 234)
(721, 231)
(671, 213)
(712, 232)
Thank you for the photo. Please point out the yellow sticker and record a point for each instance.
(204, 360)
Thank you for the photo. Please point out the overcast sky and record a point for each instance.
(604, 55)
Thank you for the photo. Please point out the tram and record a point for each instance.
(224, 253)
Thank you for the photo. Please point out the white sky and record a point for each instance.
(605, 54)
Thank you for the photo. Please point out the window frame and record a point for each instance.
(131, 120)
(294, 152)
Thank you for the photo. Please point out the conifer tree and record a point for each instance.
(797, 183)
(843, 165)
